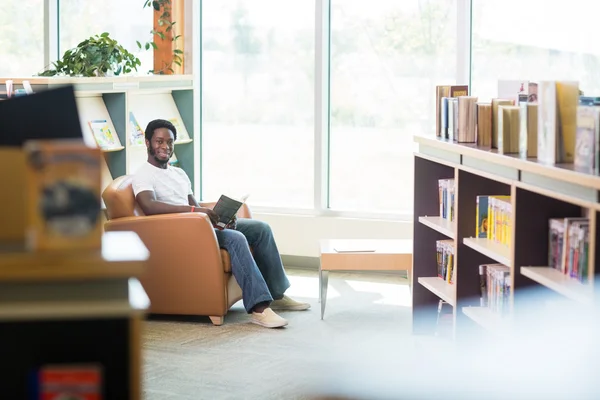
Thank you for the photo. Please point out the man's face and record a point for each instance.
(161, 145)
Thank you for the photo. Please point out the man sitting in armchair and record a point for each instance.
(160, 188)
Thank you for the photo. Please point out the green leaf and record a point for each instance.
(139, 45)
(177, 51)
(104, 34)
(147, 46)
(156, 5)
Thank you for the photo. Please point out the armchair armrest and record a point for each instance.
(184, 257)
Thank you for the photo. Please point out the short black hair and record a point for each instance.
(157, 124)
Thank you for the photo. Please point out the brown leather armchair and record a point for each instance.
(188, 274)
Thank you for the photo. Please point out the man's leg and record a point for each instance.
(260, 238)
(244, 269)
(266, 254)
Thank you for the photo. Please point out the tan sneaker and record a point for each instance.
(289, 304)
(268, 319)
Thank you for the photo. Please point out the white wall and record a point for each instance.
(299, 235)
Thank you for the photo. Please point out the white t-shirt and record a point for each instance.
(170, 185)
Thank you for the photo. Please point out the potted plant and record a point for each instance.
(99, 55)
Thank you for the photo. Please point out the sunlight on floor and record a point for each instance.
(307, 287)
(393, 294)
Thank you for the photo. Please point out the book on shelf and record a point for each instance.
(557, 121)
(442, 94)
(587, 140)
(104, 136)
(497, 102)
(568, 247)
(482, 210)
(445, 260)
(446, 193)
(495, 287)
(136, 137)
(514, 89)
(227, 208)
(508, 129)
(63, 181)
(499, 219)
(528, 129)
(67, 382)
(484, 124)
(466, 131)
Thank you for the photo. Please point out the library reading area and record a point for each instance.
(188, 184)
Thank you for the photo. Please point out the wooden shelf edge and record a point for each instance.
(113, 149)
(137, 303)
(561, 172)
(186, 141)
(440, 288)
(487, 319)
(491, 249)
(440, 225)
(560, 283)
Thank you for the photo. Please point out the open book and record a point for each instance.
(226, 208)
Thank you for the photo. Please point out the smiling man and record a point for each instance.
(160, 188)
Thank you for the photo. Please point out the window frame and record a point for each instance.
(322, 148)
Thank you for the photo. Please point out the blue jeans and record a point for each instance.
(261, 277)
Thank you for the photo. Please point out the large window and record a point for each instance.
(534, 40)
(125, 21)
(21, 38)
(258, 100)
(387, 56)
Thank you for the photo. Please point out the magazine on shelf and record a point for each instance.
(227, 208)
(182, 134)
(105, 138)
(137, 137)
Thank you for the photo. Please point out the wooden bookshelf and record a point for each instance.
(73, 308)
(553, 279)
(496, 251)
(442, 225)
(440, 288)
(538, 192)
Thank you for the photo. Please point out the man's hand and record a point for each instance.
(233, 223)
(214, 218)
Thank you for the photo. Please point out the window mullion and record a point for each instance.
(322, 98)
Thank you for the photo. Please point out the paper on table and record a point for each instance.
(349, 248)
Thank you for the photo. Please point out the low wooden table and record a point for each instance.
(362, 255)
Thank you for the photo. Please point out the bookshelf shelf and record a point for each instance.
(119, 148)
(186, 141)
(560, 283)
(489, 248)
(486, 318)
(440, 288)
(439, 224)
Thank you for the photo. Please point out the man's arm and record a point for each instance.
(151, 206)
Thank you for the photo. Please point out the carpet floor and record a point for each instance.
(366, 315)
